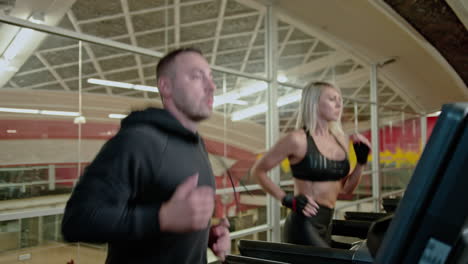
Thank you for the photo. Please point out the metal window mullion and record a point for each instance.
(423, 131)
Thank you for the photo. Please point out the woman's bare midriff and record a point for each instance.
(324, 193)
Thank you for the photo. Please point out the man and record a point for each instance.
(149, 193)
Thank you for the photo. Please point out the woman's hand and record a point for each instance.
(360, 138)
(301, 203)
(362, 148)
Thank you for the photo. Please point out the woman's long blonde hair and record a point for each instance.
(308, 112)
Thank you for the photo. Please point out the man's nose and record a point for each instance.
(211, 86)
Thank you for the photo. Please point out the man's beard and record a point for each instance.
(190, 111)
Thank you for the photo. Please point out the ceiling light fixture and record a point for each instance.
(282, 78)
(19, 110)
(238, 102)
(117, 116)
(232, 97)
(58, 113)
(262, 108)
(124, 85)
(37, 111)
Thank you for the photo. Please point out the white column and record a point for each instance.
(272, 127)
(376, 185)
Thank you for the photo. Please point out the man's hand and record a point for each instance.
(219, 241)
(189, 209)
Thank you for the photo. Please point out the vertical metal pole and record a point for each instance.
(20, 225)
(272, 127)
(376, 185)
(57, 224)
(356, 120)
(40, 232)
(51, 177)
(423, 131)
(80, 104)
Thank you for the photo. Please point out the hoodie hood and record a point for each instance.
(159, 118)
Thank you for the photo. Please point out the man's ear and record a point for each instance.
(164, 87)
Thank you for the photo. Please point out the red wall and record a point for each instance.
(404, 137)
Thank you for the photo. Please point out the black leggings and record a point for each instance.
(313, 231)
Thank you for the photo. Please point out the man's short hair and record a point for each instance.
(166, 62)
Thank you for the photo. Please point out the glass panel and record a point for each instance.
(401, 147)
(36, 120)
(36, 116)
(9, 235)
(30, 235)
(38, 108)
(38, 239)
(47, 153)
(356, 119)
(51, 229)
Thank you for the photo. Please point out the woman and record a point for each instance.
(317, 151)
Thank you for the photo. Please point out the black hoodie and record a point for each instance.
(117, 199)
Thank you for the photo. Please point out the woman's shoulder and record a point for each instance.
(297, 136)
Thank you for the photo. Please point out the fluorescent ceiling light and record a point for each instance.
(238, 102)
(37, 111)
(19, 110)
(37, 17)
(79, 120)
(110, 83)
(231, 97)
(124, 85)
(58, 113)
(146, 88)
(289, 98)
(248, 112)
(282, 78)
(434, 114)
(262, 108)
(117, 116)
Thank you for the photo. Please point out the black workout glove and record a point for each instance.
(296, 203)
(362, 152)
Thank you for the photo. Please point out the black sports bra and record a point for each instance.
(316, 167)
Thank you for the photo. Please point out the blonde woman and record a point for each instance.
(318, 153)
